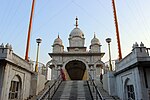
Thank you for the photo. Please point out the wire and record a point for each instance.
(144, 25)
(97, 21)
(41, 8)
(9, 20)
(106, 11)
(53, 16)
(4, 16)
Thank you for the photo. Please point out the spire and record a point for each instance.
(76, 22)
(94, 35)
(58, 35)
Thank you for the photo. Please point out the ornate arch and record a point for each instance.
(99, 62)
(68, 77)
(124, 88)
(15, 88)
(51, 62)
(128, 89)
(82, 60)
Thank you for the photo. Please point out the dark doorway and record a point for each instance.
(75, 69)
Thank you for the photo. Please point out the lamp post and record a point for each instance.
(38, 41)
(108, 40)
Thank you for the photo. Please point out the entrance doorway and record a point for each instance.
(75, 69)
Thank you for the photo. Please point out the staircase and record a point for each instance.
(47, 85)
(104, 93)
(73, 90)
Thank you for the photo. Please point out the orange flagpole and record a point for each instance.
(117, 29)
(29, 30)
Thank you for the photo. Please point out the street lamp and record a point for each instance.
(38, 41)
(108, 40)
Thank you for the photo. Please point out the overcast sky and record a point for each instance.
(53, 17)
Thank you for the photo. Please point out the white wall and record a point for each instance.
(1, 78)
(133, 76)
(10, 72)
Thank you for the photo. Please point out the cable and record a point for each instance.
(4, 14)
(146, 26)
(138, 12)
(108, 12)
(53, 16)
(97, 21)
(40, 9)
(9, 20)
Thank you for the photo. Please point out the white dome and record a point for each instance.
(76, 32)
(95, 41)
(58, 41)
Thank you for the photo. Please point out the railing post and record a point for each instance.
(54, 85)
(96, 93)
(93, 84)
(49, 96)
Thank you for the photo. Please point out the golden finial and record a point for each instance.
(76, 22)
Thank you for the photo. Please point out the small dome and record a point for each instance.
(58, 41)
(95, 41)
(76, 32)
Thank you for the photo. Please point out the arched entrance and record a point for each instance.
(75, 69)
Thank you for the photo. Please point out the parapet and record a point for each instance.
(139, 54)
(5, 51)
(140, 50)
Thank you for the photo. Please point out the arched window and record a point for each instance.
(129, 90)
(15, 88)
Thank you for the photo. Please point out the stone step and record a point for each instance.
(104, 93)
(73, 90)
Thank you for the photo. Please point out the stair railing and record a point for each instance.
(49, 92)
(95, 88)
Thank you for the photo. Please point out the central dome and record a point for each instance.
(76, 32)
(76, 37)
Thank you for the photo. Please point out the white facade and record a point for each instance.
(131, 77)
(77, 55)
(17, 76)
(14, 70)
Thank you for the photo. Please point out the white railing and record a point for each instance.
(41, 68)
(112, 63)
(94, 89)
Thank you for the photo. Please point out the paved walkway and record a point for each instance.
(73, 90)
